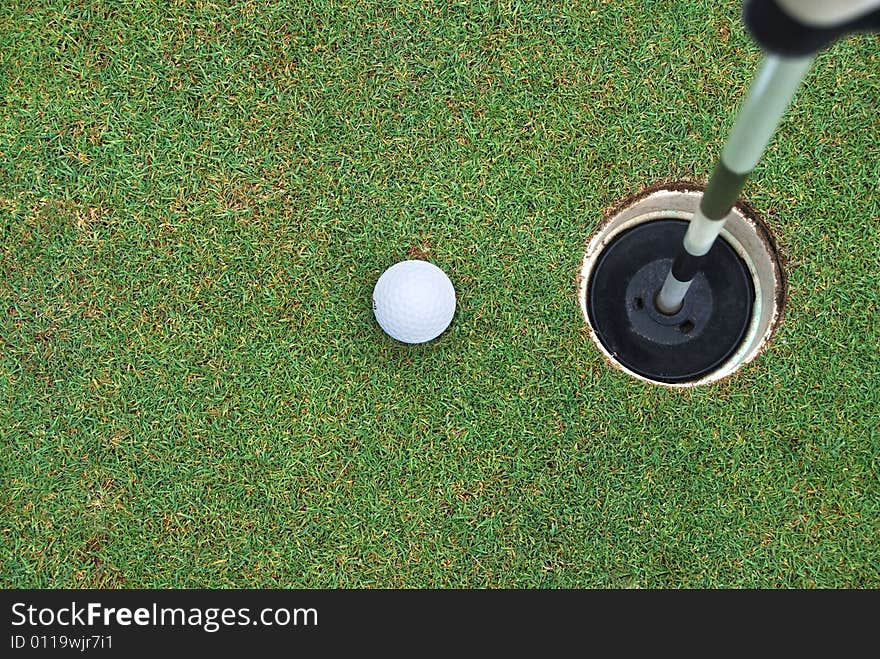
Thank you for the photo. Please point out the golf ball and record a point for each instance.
(414, 301)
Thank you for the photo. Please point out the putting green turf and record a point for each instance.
(197, 198)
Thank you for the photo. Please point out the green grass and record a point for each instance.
(197, 198)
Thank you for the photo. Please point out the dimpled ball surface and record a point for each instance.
(414, 301)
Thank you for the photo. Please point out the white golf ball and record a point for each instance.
(414, 301)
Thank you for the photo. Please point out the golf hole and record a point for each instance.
(749, 243)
